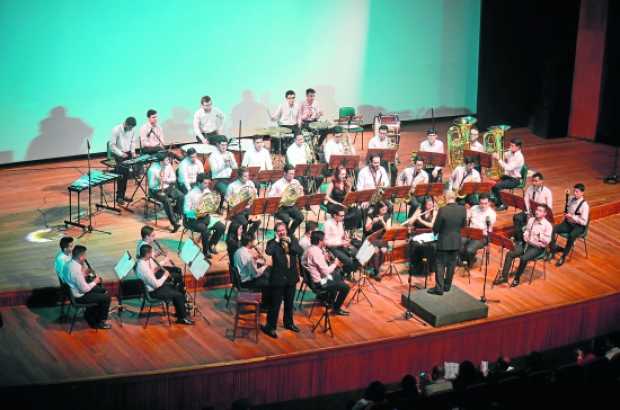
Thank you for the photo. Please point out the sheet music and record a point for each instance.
(189, 251)
(452, 370)
(425, 237)
(365, 252)
(199, 267)
(124, 265)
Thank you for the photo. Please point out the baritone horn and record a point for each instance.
(291, 193)
(458, 139)
(493, 141)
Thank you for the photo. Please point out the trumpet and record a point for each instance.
(163, 252)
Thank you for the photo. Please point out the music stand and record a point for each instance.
(363, 281)
(271, 207)
(237, 209)
(503, 243)
(392, 235)
(473, 234)
(434, 159)
(481, 158)
(434, 189)
(190, 254)
(386, 154)
(350, 162)
(258, 208)
(307, 201)
(309, 171)
(358, 197)
(394, 193)
(513, 200)
(548, 215)
(268, 176)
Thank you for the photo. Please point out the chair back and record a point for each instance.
(235, 277)
(346, 112)
(524, 171)
(320, 293)
(108, 155)
(147, 297)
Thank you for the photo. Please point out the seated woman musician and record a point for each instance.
(377, 219)
(423, 218)
(337, 189)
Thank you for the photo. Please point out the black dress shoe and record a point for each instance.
(500, 208)
(175, 228)
(515, 283)
(341, 312)
(435, 291)
(561, 261)
(120, 201)
(292, 328)
(103, 326)
(500, 280)
(446, 288)
(185, 321)
(269, 332)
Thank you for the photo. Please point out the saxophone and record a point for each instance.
(291, 193)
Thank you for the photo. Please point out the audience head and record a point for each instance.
(375, 392)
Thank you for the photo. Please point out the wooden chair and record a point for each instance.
(247, 313)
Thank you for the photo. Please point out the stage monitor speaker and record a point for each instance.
(452, 307)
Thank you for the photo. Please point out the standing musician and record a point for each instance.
(148, 237)
(482, 217)
(288, 114)
(432, 144)
(536, 236)
(461, 174)
(243, 183)
(336, 146)
(413, 176)
(339, 243)
(62, 257)
(285, 252)
(123, 146)
(325, 276)
(251, 264)
(536, 192)
(154, 279)
(310, 112)
(450, 219)
(258, 156)
(222, 162)
(151, 134)
(376, 220)
(208, 121)
(75, 274)
(511, 164)
(210, 235)
(474, 144)
(290, 215)
(576, 219)
(424, 217)
(189, 169)
(382, 141)
(338, 188)
(162, 186)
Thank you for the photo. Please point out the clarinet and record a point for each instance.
(91, 275)
(566, 201)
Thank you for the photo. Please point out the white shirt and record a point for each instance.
(151, 135)
(540, 195)
(310, 112)
(253, 158)
(207, 122)
(60, 261)
(335, 148)
(156, 181)
(512, 164)
(234, 187)
(74, 277)
(478, 217)
(244, 262)
(376, 142)
(192, 200)
(296, 154)
(121, 141)
(279, 186)
(476, 146)
(217, 163)
(457, 179)
(410, 176)
(188, 171)
(287, 115)
(584, 210)
(145, 270)
(305, 243)
(436, 147)
(334, 232)
(367, 180)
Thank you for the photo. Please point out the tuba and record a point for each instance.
(245, 193)
(291, 193)
(458, 139)
(209, 204)
(493, 141)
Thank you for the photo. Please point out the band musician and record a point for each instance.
(432, 144)
(123, 147)
(208, 121)
(337, 189)
(235, 189)
(289, 214)
(481, 217)
(511, 164)
(151, 134)
(162, 186)
(576, 219)
(413, 176)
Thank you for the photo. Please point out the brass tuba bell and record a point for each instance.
(458, 139)
(493, 141)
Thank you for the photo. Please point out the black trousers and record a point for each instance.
(337, 290)
(290, 213)
(519, 221)
(526, 253)
(168, 293)
(469, 248)
(431, 179)
(176, 277)
(446, 263)
(98, 313)
(208, 236)
(505, 182)
(347, 255)
(124, 172)
(417, 251)
(172, 200)
(573, 231)
(243, 219)
(278, 295)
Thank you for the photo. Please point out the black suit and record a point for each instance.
(450, 219)
(282, 281)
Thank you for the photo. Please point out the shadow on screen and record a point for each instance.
(326, 96)
(178, 128)
(252, 113)
(6, 157)
(59, 136)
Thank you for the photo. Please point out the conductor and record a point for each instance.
(450, 219)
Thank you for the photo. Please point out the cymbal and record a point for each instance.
(275, 132)
(321, 125)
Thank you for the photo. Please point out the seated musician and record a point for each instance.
(311, 112)
(373, 175)
(339, 243)
(233, 239)
(413, 176)
(474, 143)
(423, 218)
(289, 214)
(338, 188)
(482, 217)
(511, 164)
(304, 242)
(208, 121)
(336, 146)
(64, 256)
(149, 237)
(381, 141)
(376, 220)
(576, 219)
(252, 267)
(123, 146)
(221, 163)
(162, 186)
(151, 134)
(189, 168)
(536, 192)
(257, 156)
(210, 233)
(75, 274)
(432, 144)
(536, 236)
(242, 186)
(154, 278)
(462, 174)
(299, 154)
(323, 275)
(288, 114)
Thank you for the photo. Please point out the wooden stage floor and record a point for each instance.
(36, 349)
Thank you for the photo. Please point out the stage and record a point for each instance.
(191, 367)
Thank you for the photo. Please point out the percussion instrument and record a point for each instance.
(321, 125)
(273, 132)
(96, 178)
(392, 121)
(202, 149)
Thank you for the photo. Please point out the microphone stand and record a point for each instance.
(89, 228)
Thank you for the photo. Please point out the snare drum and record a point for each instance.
(390, 120)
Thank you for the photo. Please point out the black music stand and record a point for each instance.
(481, 158)
(363, 281)
(416, 231)
(393, 235)
(311, 171)
(307, 201)
(394, 193)
(548, 214)
(513, 200)
(268, 176)
(350, 162)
